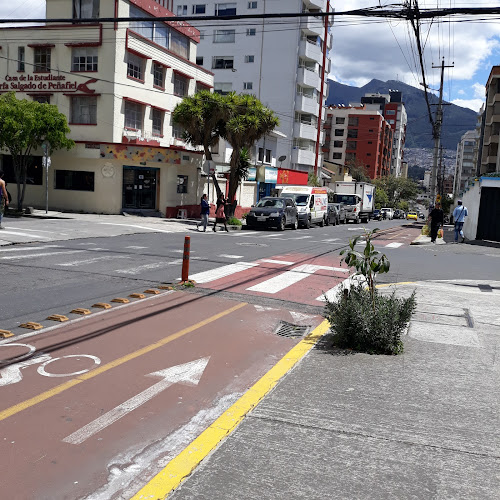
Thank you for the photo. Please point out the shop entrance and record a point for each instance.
(139, 188)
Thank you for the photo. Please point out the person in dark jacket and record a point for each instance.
(436, 218)
(205, 210)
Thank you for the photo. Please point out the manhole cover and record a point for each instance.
(290, 330)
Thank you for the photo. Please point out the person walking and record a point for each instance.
(436, 219)
(220, 216)
(4, 198)
(205, 210)
(459, 215)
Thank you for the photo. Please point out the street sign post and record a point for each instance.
(46, 163)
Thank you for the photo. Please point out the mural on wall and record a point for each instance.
(138, 154)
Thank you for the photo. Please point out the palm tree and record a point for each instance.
(248, 122)
(203, 117)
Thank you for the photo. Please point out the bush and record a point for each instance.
(356, 324)
(233, 221)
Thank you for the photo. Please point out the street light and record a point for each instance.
(46, 164)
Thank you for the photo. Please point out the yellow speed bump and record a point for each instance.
(102, 305)
(31, 325)
(137, 296)
(58, 317)
(81, 311)
(121, 300)
(165, 287)
(151, 291)
(5, 334)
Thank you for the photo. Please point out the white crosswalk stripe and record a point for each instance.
(35, 255)
(227, 256)
(222, 272)
(148, 267)
(284, 262)
(94, 259)
(27, 249)
(395, 244)
(332, 295)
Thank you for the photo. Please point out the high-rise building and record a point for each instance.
(285, 65)
(490, 159)
(465, 167)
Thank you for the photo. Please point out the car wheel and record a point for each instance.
(308, 223)
(327, 221)
(295, 225)
(282, 225)
(356, 221)
(322, 223)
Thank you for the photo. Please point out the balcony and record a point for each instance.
(493, 99)
(316, 4)
(304, 156)
(307, 105)
(313, 26)
(310, 51)
(305, 131)
(308, 78)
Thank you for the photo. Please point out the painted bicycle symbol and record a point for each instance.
(12, 374)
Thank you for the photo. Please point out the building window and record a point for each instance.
(134, 66)
(390, 112)
(225, 9)
(181, 85)
(351, 145)
(251, 31)
(223, 88)
(249, 59)
(42, 59)
(247, 85)
(252, 5)
(199, 9)
(350, 157)
(20, 59)
(353, 121)
(74, 180)
(199, 61)
(182, 183)
(182, 10)
(133, 115)
(267, 158)
(338, 144)
(224, 36)
(339, 132)
(368, 154)
(337, 156)
(352, 133)
(370, 142)
(339, 121)
(84, 59)
(158, 75)
(179, 44)
(84, 110)
(85, 9)
(177, 131)
(222, 62)
(42, 99)
(157, 115)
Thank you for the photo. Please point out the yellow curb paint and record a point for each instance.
(385, 285)
(188, 459)
(113, 364)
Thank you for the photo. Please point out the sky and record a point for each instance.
(364, 49)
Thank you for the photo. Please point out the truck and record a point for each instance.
(312, 203)
(358, 199)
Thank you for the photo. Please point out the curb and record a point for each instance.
(426, 240)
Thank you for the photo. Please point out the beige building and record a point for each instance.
(117, 84)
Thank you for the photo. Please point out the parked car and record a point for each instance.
(421, 215)
(332, 215)
(273, 212)
(389, 212)
(376, 214)
(341, 212)
(399, 214)
(412, 216)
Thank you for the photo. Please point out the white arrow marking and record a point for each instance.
(188, 373)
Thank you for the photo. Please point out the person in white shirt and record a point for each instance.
(459, 215)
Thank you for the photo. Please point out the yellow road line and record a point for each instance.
(113, 364)
(183, 464)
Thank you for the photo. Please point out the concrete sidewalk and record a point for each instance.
(343, 425)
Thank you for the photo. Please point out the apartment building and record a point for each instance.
(465, 167)
(284, 64)
(358, 136)
(490, 159)
(117, 85)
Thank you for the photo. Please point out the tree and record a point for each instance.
(381, 198)
(248, 122)
(313, 180)
(397, 189)
(203, 117)
(357, 170)
(24, 126)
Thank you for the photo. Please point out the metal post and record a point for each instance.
(45, 147)
(185, 259)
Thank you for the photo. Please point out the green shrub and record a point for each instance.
(357, 325)
(233, 221)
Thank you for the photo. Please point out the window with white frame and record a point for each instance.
(177, 131)
(225, 9)
(224, 36)
(85, 9)
(20, 59)
(247, 85)
(181, 85)
(157, 119)
(182, 183)
(222, 62)
(252, 5)
(84, 110)
(133, 115)
(182, 10)
(158, 75)
(267, 157)
(199, 8)
(84, 59)
(251, 31)
(249, 59)
(42, 59)
(161, 35)
(390, 112)
(179, 44)
(134, 66)
(223, 88)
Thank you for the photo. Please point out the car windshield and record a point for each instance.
(269, 202)
(412, 213)
(300, 199)
(346, 199)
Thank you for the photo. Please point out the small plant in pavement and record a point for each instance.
(360, 317)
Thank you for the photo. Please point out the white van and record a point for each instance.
(312, 203)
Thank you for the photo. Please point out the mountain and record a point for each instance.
(456, 120)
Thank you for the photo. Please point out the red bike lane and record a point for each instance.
(117, 395)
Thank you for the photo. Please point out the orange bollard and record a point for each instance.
(185, 259)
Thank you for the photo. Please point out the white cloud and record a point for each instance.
(461, 92)
(479, 90)
(474, 104)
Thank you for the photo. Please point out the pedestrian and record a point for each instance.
(205, 210)
(459, 215)
(220, 216)
(436, 219)
(4, 198)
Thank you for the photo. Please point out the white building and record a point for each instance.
(282, 67)
(466, 167)
(117, 85)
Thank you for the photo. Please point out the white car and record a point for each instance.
(389, 212)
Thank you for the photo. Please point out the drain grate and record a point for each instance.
(285, 329)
